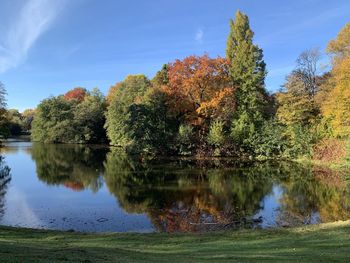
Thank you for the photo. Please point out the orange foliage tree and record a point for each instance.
(76, 94)
(199, 88)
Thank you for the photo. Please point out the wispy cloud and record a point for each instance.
(303, 25)
(199, 35)
(34, 18)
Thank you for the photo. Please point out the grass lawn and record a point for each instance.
(322, 243)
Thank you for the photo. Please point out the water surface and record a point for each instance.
(93, 188)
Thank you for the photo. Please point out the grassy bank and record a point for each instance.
(322, 243)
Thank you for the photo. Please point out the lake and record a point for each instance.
(97, 189)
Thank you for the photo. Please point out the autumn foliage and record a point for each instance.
(215, 106)
(330, 150)
(76, 94)
(199, 88)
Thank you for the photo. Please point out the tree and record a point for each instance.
(199, 89)
(247, 71)
(130, 91)
(336, 107)
(307, 70)
(77, 94)
(296, 106)
(216, 135)
(162, 77)
(340, 47)
(28, 117)
(53, 121)
(14, 122)
(4, 132)
(150, 125)
(58, 120)
(89, 118)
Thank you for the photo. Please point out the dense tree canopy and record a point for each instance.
(199, 88)
(62, 120)
(200, 105)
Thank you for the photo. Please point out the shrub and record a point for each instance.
(185, 139)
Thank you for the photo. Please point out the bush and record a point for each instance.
(301, 140)
(269, 141)
(216, 136)
(185, 139)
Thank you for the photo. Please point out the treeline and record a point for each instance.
(213, 106)
(12, 122)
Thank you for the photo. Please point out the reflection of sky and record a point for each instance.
(270, 207)
(32, 203)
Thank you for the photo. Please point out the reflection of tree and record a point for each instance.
(312, 193)
(179, 199)
(75, 166)
(5, 178)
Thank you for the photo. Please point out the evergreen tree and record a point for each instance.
(248, 71)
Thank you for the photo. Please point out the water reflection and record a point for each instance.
(75, 166)
(188, 197)
(181, 198)
(5, 178)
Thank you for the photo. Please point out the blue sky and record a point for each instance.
(50, 46)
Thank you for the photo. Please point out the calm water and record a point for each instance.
(93, 189)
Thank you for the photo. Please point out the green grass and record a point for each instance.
(321, 243)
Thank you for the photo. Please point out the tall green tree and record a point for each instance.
(248, 71)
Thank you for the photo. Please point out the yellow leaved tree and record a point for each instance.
(336, 108)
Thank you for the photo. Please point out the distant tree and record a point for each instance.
(14, 122)
(308, 70)
(28, 117)
(77, 94)
(58, 120)
(4, 132)
(247, 70)
(296, 105)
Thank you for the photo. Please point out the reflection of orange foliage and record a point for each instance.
(331, 150)
(75, 186)
(198, 86)
(191, 215)
(76, 94)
